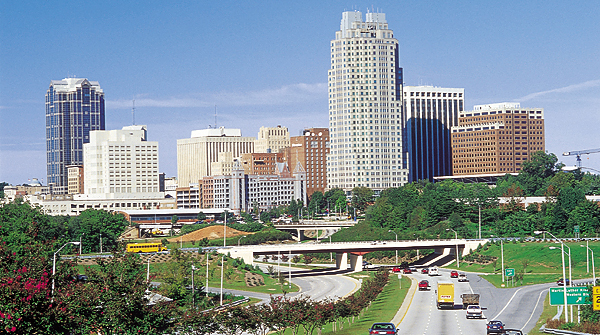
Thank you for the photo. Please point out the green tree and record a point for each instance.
(536, 171)
(92, 223)
(174, 219)
(201, 216)
(317, 202)
(361, 197)
(2, 185)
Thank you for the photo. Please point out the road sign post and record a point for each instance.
(575, 296)
(509, 272)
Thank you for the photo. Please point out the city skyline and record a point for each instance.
(265, 64)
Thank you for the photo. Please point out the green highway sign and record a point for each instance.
(509, 272)
(575, 296)
(576, 229)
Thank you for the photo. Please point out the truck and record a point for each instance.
(445, 295)
(469, 299)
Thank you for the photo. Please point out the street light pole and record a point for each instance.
(456, 238)
(588, 250)
(100, 243)
(239, 239)
(563, 268)
(391, 231)
(54, 263)
(148, 270)
(480, 221)
(81, 244)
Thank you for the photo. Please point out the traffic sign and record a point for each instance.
(509, 272)
(596, 298)
(575, 296)
(576, 229)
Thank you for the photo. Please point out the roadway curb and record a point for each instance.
(406, 304)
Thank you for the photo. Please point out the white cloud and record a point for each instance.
(566, 89)
(288, 94)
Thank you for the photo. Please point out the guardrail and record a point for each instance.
(560, 331)
(229, 305)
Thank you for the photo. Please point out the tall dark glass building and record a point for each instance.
(430, 112)
(74, 107)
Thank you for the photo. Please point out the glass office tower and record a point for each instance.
(74, 107)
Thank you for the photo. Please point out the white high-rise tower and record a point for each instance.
(365, 106)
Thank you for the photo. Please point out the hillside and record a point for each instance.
(212, 233)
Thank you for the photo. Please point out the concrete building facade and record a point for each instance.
(429, 114)
(365, 105)
(496, 138)
(74, 108)
(310, 151)
(195, 154)
(75, 182)
(261, 163)
(272, 139)
(121, 164)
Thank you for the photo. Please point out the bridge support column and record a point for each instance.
(356, 262)
(341, 261)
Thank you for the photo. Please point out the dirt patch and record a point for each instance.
(253, 279)
(212, 233)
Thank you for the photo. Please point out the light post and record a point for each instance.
(502, 257)
(588, 264)
(223, 257)
(479, 220)
(239, 239)
(537, 232)
(391, 231)
(148, 270)
(570, 279)
(54, 263)
(417, 237)
(456, 237)
(100, 243)
(206, 274)
(80, 244)
(193, 290)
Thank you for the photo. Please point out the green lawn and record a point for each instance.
(383, 309)
(541, 264)
(547, 313)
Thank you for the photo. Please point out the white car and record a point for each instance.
(474, 311)
(433, 272)
(462, 277)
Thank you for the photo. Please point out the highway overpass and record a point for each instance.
(354, 250)
(300, 227)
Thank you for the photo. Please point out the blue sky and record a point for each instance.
(265, 63)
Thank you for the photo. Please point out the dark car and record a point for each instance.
(424, 270)
(561, 282)
(453, 274)
(406, 271)
(495, 327)
(383, 328)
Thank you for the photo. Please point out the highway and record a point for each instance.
(316, 284)
(518, 308)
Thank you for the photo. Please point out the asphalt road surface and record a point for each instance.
(518, 308)
(316, 284)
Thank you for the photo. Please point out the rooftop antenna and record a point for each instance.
(133, 112)
(216, 116)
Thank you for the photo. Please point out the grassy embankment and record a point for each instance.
(537, 262)
(383, 309)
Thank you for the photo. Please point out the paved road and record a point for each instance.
(518, 308)
(317, 284)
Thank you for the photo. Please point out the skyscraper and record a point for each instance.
(496, 138)
(74, 107)
(430, 113)
(365, 106)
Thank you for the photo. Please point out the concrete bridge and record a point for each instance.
(300, 227)
(354, 250)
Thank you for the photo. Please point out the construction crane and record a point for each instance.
(579, 153)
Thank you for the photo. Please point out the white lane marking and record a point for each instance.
(534, 308)
(508, 303)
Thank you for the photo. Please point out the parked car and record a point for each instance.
(495, 327)
(462, 277)
(396, 269)
(453, 274)
(406, 271)
(424, 270)
(381, 328)
(474, 311)
(561, 282)
(423, 285)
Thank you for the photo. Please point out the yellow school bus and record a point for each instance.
(145, 247)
